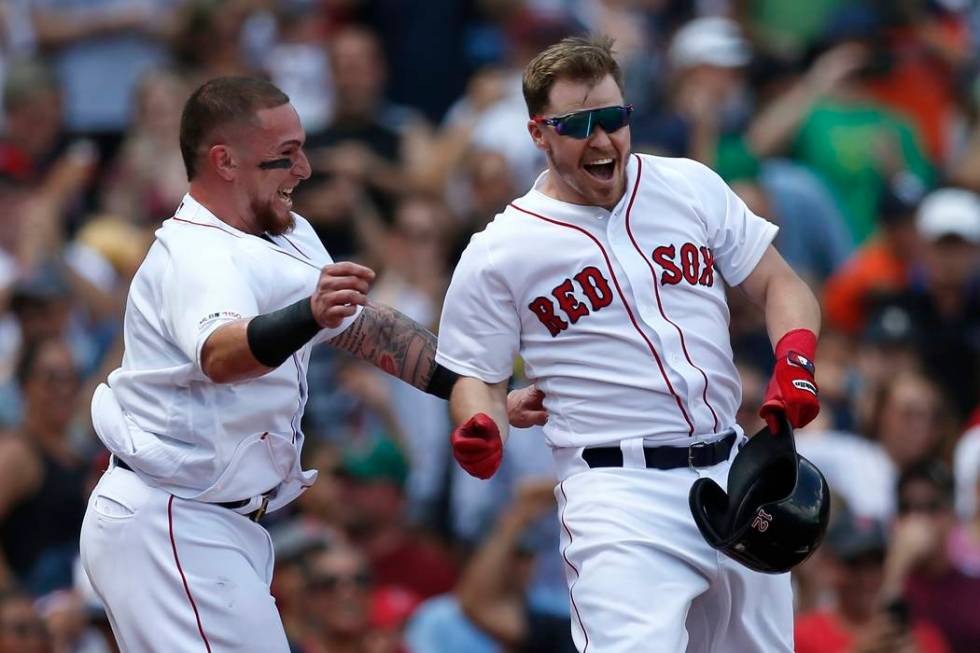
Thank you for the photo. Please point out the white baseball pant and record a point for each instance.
(178, 576)
(642, 578)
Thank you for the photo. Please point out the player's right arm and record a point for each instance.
(472, 396)
(248, 348)
(479, 410)
(479, 337)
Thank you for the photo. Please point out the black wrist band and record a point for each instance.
(442, 382)
(273, 337)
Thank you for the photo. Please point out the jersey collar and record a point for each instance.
(190, 210)
(536, 200)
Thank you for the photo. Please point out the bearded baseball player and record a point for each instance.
(203, 417)
(608, 279)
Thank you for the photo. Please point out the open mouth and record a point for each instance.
(286, 197)
(602, 169)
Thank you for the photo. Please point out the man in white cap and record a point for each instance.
(707, 95)
(944, 298)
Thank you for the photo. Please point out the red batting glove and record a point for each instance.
(477, 446)
(792, 389)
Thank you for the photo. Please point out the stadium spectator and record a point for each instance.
(870, 146)
(338, 587)
(494, 585)
(148, 179)
(859, 621)
(21, 628)
(920, 566)
(881, 265)
(42, 480)
(103, 45)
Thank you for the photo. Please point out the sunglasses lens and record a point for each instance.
(362, 579)
(580, 125)
(577, 125)
(612, 118)
(329, 583)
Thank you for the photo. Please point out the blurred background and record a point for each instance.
(853, 125)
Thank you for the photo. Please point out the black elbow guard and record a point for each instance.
(273, 337)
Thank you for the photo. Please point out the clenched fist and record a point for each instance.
(477, 446)
(792, 389)
(341, 288)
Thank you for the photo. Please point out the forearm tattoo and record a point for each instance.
(391, 341)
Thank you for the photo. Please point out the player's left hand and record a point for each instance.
(341, 288)
(792, 390)
(477, 446)
(525, 407)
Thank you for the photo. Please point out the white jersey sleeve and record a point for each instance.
(479, 332)
(204, 291)
(737, 236)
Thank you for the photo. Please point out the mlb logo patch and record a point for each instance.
(799, 360)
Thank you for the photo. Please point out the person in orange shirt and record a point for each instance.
(880, 265)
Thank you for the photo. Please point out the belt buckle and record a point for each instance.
(260, 511)
(690, 454)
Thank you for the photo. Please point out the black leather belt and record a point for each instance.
(699, 454)
(255, 515)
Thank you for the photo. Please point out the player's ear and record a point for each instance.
(223, 160)
(537, 135)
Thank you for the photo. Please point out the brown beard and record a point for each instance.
(269, 221)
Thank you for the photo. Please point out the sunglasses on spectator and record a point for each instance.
(330, 582)
(417, 235)
(870, 559)
(580, 124)
(923, 507)
(23, 629)
(57, 375)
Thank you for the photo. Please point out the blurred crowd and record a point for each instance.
(853, 125)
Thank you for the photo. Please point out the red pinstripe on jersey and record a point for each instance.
(656, 290)
(629, 311)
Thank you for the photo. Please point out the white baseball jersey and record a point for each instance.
(187, 435)
(620, 316)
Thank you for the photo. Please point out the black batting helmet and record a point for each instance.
(776, 509)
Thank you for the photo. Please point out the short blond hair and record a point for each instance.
(576, 58)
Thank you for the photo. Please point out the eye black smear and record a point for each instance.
(276, 163)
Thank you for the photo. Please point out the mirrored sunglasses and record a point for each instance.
(330, 582)
(579, 124)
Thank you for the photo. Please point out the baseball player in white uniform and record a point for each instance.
(608, 279)
(203, 417)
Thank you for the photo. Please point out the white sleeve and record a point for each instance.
(479, 333)
(204, 290)
(738, 238)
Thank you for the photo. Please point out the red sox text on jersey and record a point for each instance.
(696, 268)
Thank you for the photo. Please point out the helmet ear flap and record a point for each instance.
(763, 471)
(772, 483)
(709, 506)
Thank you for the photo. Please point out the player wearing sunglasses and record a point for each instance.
(608, 278)
(584, 133)
(579, 124)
